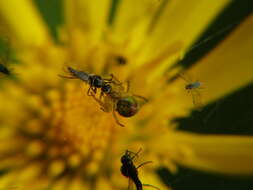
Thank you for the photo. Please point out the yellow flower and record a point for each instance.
(54, 136)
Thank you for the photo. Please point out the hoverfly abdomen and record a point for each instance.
(79, 74)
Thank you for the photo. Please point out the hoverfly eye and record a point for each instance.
(127, 107)
(97, 81)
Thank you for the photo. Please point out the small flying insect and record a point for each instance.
(113, 96)
(129, 170)
(6, 57)
(4, 69)
(193, 87)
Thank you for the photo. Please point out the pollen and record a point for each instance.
(79, 129)
(68, 132)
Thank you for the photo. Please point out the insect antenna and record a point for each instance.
(144, 163)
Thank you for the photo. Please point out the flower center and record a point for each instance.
(77, 135)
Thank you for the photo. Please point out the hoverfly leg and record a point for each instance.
(116, 81)
(103, 108)
(144, 163)
(141, 97)
(109, 80)
(101, 95)
(94, 89)
(113, 79)
(88, 92)
(148, 185)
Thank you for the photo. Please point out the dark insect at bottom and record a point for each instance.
(129, 170)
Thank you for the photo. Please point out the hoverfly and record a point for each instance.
(113, 96)
(129, 170)
(193, 87)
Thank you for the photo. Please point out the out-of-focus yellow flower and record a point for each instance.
(54, 136)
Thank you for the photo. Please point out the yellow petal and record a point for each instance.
(130, 14)
(229, 66)
(90, 16)
(181, 21)
(24, 22)
(226, 154)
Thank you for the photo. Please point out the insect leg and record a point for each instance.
(141, 97)
(135, 154)
(113, 79)
(144, 163)
(103, 107)
(116, 119)
(101, 94)
(116, 81)
(148, 185)
(115, 116)
(88, 92)
(94, 89)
